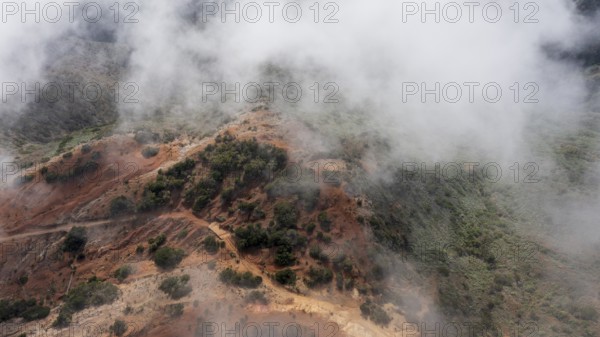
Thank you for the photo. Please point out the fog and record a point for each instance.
(372, 55)
(381, 57)
(378, 56)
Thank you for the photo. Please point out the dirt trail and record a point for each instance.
(349, 319)
(60, 228)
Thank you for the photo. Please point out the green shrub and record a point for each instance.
(149, 152)
(343, 263)
(244, 280)
(92, 293)
(247, 207)
(286, 276)
(251, 236)
(51, 177)
(247, 158)
(318, 276)
(76, 240)
(169, 136)
(503, 280)
(146, 137)
(181, 169)
(167, 257)
(201, 194)
(201, 202)
(317, 253)
(284, 256)
(375, 313)
(23, 279)
(29, 310)
(81, 169)
(227, 195)
(256, 296)
(257, 214)
(255, 169)
(156, 242)
(175, 310)
(63, 319)
(26, 179)
(128, 310)
(286, 215)
(182, 235)
(86, 148)
(211, 244)
(310, 228)
(176, 287)
(339, 281)
(123, 272)
(119, 327)
(120, 205)
(156, 194)
(324, 222)
(324, 238)
(289, 238)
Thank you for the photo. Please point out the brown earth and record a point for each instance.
(35, 216)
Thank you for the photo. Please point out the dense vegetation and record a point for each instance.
(211, 244)
(251, 236)
(375, 313)
(245, 162)
(65, 173)
(29, 310)
(174, 310)
(244, 280)
(317, 253)
(317, 276)
(123, 272)
(92, 293)
(150, 151)
(286, 276)
(231, 166)
(324, 221)
(156, 242)
(456, 231)
(76, 240)
(286, 215)
(121, 205)
(157, 194)
(282, 240)
(119, 327)
(256, 296)
(176, 287)
(167, 257)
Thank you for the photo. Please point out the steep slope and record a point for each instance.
(271, 230)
